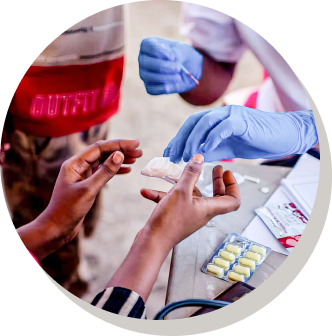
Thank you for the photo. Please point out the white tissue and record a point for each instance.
(162, 167)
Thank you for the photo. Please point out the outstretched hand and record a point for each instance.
(182, 211)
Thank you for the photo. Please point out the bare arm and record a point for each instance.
(179, 213)
(213, 83)
(141, 266)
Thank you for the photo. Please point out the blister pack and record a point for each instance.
(237, 259)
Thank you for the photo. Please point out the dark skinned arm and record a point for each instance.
(213, 83)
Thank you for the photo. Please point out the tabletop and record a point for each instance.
(186, 280)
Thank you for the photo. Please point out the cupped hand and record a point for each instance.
(182, 211)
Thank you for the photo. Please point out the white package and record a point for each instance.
(163, 168)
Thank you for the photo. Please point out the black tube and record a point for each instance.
(190, 303)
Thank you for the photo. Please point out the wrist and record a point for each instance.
(154, 240)
(304, 122)
(140, 268)
(40, 237)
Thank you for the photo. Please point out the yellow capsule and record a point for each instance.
(242, 270)
(258, 249)
(235, 277)
(219, 271)
(222, 263)
(253, 256)
(227, 256)
(247, 262)
(233, 248)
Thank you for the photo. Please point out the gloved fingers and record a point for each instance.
(155, 78)
(227, 149)
(176, 147)
(202, 129)
(167, 151)
(157, 65)
(159, 89)
(158, 48)
(221, 132)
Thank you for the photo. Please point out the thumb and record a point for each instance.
(191, 174)
(106, 171)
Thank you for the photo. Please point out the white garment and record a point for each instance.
(225, 39)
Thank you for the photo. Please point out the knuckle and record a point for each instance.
(237, 203)
(193, 168)
(110, 169)
(178, 192)
(98, 143)
(65, 166)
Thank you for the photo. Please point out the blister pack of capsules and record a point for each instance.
(237, 259)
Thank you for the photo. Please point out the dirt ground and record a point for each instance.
(154, 121)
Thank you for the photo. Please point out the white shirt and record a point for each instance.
(225, 39)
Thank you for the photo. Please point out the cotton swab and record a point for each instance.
(189, 74)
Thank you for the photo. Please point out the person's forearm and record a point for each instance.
(213, 83)
(140, 268)
(41, 237)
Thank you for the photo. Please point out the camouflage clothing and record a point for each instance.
(29, 173)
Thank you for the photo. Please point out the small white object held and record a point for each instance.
(189, 74)
(251, 179)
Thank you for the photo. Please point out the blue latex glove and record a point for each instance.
(160, 63)
(240, 132)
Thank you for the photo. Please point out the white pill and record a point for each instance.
(228, 256)
(219, 271)
(233, 248)
(258, 249)
(235, 277)
(265, 190)
(222, 263)
(253, 256)
(252, 179)
(242, 270)
(247, 262)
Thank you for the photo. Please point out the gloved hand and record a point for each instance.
(160, 64)
(240, 132)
